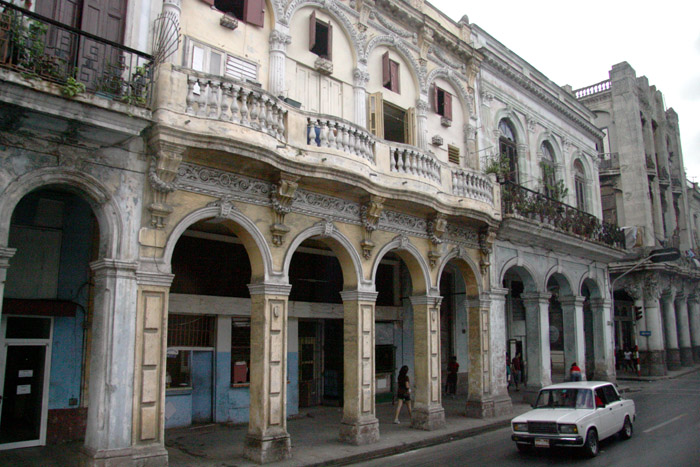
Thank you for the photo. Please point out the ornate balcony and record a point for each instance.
(41, 48)
(411, 161)
(520, 201)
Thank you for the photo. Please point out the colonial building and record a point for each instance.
(551, 249)
(643, 190)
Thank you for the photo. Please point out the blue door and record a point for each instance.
(202, 386)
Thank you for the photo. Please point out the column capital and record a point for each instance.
(358, 296)
(429, 300)
(694, 298)
(279, 41)
(360, 77)
(114, 267)
(532, 297)
(269, 289)
(572, 300)
(154, 278)
(600, 302)
(497, 293)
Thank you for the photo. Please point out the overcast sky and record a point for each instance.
(577, 43)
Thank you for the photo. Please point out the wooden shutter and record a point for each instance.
(394, 71)
(448, 105)
(375, 118)
(312, 30)
(330, 41)
(386, 72)
(254, 12)
(409, 126)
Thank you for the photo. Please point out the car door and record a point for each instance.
(604, 413)
(614, 405)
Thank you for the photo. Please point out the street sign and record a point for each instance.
(645, 333)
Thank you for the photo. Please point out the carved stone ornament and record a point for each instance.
(226, 207)
(436, 229)
(360, 78)
(328, 228)
(282, 196)
(531, 124)
(323, 66)
(487, 237)
(161, 175)
(634, 288)
(652, 290)
(370, 214)
(437, 140)
(229, 22)
(279, 41)
(446, 122)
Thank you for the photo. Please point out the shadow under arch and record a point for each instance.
(349, 259)
(253, 240)
(467, 268)
(417, 267)
(594, 290)
(107, 211)
(527, 276)
(561, 279)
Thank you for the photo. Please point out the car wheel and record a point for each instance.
(626, 432)
(591, 446)
(524, 447)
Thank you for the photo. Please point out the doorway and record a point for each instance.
(25, 355)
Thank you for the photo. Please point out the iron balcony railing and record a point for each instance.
(530, 204)
(42, 48)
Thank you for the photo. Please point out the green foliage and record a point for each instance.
(498, 165)
(555, 189)
(72, 87)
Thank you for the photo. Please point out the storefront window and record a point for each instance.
(240, 350)
(178, 369)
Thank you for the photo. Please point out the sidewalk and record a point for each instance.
(625, 376)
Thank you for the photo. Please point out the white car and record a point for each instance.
(576, 414)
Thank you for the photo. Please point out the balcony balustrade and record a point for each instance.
(410, 160)
(470, 184)
(520, 201)
(233, 101)
(597, 88)
(330, 132)
(41, 48)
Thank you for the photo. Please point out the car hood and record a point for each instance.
(552, 415)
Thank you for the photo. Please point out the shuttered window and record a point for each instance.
(249, 11)
(442, 102)
(390, 74)
(320, 37)
(204, 58)
(453, 154)
(375, 118)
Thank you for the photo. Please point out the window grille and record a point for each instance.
(191, 330)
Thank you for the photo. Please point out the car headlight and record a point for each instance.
(520, 426)
(568, 429)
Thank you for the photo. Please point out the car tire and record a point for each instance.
(523, 447)
(626, 432)
(590, 448)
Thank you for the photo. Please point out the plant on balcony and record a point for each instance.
(498, 165)
(26, 48)
(136, 89)
(553, 188)
(72, 87)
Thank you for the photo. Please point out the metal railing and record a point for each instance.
(530, 204)
(42, 48)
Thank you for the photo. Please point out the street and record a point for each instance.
(666, 433)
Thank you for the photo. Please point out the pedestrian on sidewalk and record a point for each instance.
(452, 369)
(403, 393)
(575, 372)
(516, 365)
(509, 376)
(628, 359)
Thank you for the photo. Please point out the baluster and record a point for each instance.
(190, 100)
(235, 91)
(225, 98)
(271, 123)
(263, 117)
(214, 87)
(244, 107)
(280, 123)
(202, 100)
(309, 126)
(352, 141)
(254, 110)
(332, 134)
(346, 139)
(402, 162)
(324, 134)
(456, 189)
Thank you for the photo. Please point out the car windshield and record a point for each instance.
(565, 398)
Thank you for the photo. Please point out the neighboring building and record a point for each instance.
(551, 248)
(643, 190)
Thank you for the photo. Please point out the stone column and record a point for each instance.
(359, 425)
(422, 122)
(267, 439)
(654, 359)
(428, 413)
(673, 354)
(108, 437)
(172, 9)
(488, 388)
(278, 57)
(574, 339)
(5, 255)
(360, 79)
(604, 367)
(694, 312)
(149, 365)
(537, 363)
(683, 324)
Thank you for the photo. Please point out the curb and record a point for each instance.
(405, 447)
(649, 379)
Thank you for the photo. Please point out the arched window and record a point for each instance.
(580, 183)
(509, 149)
(549, 180)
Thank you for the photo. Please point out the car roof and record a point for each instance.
(579, 385)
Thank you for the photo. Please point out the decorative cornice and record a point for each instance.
(374, 14)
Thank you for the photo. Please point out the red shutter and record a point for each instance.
(312, 30)
(386, 73)
(448, 105)
(254, 12)
(330, 41)
(394, 71)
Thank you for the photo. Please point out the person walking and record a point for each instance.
(628, 359)
(403, 393)
(452, 369)
(516, 365)
(575, 372)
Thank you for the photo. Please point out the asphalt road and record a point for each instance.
(666, 434)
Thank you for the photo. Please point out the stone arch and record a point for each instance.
(523, 270)
(468, 269)
(450, 76)
(557, 150)
(403, 50)
(284, 16)
(593, 287)
(417, 266)
(517, 125)
(557, 274)
(106, 209)
(348, 257)
(253, 240)
(585, 162)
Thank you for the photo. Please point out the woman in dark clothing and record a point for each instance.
(403, 392)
